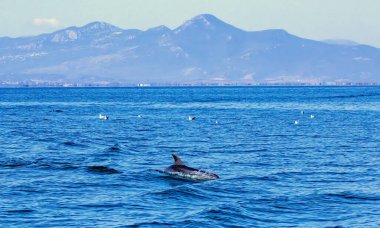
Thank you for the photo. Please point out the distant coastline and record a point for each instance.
(200, 84)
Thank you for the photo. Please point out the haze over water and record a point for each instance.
(60, 165)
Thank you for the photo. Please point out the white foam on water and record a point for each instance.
(196, 175)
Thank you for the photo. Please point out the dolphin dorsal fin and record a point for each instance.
(177, 160)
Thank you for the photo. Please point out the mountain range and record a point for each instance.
(202, 50)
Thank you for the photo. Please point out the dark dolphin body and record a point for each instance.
(179, 169)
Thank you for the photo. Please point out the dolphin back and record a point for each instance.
(185, 172)
(180, 170)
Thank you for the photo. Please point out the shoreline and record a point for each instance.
(2, 86)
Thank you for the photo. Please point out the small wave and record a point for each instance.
(102, 169)
(353, 196)
(73, 144)
(165, 147)
(354, 95)
(20, 211)
(114, 148)
(14, 163)
(228, 214)
(103, 205)
(133, 148)
(181, 192)
(268, 178)
(68, 143)
(149, 224)
(55, 165)
(56, 110)
(38, 163)
(143, 130)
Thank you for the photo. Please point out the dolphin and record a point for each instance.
(180, 170)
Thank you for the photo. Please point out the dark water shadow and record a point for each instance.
(73, 144)
(100, 169)
(16, 211)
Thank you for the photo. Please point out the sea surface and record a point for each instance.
(62, 166)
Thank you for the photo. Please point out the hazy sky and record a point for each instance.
(357, 20)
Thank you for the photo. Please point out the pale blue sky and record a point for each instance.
(357, 20)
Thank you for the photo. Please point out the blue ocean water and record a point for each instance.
(60, 165)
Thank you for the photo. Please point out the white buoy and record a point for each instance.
(312, 116)
(216, 121)
(296, 122)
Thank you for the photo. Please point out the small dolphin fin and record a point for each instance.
(177, 160)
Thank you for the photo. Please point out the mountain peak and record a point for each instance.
(206, 19)
(75, 33)
(99, 25)
(204, 22)
(162, 28)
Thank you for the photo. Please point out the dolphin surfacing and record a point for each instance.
(180, 170)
